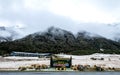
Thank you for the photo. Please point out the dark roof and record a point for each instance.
(30, 53)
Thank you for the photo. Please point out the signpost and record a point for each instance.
(60, 62)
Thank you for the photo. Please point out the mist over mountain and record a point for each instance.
(5, 35)
(56, 40)
(109, 31)
(8, 34)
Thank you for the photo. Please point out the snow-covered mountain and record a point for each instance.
(57, 40)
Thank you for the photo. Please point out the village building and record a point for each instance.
(27, 54)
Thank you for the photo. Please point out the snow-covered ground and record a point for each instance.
(103, 60)
(108, 60)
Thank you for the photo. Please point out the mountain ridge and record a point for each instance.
(56, 40)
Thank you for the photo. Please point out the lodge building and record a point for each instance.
(27, 54)
(60, 63)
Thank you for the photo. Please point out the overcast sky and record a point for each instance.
(28, 16)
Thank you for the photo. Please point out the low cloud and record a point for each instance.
(30, 16)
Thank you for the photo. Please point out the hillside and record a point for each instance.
(56, 40)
